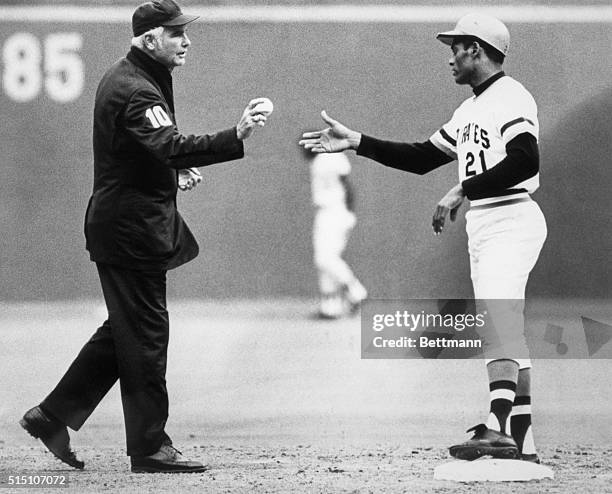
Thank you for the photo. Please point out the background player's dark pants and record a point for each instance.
(130, 346)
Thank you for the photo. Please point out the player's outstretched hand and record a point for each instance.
(449, 203)
(333, 139)
(189, 178)
(251, 118)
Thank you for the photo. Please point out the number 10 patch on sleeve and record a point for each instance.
(158, 117)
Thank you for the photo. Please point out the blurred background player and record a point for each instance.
(340, 291)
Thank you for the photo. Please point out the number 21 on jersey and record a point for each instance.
(470, 159)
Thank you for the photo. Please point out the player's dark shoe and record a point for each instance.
(52, 433)
(485, 442)
(533, 458)
(354, 297)
(324, 316)
(354, 308)
(167, 459)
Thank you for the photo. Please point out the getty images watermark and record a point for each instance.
(464, 328)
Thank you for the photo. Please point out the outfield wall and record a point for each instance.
(253, 217)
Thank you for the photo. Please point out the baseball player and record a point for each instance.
(340, 290)
(493, 136)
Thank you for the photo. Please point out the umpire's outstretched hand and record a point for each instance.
(250, 119)
(333, 139)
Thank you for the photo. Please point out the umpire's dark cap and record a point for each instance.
(156, 13)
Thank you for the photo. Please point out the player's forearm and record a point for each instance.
(521, 162)
(419, 158)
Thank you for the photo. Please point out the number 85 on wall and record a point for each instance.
(55, 64)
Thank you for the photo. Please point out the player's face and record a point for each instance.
(462, 63)
(171, 47)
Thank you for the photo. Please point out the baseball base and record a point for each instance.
(493, 470)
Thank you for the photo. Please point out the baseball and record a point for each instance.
(265, 107)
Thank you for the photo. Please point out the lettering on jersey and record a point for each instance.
(472, 131)
(158, 117)
(484, 137)
(466, 133)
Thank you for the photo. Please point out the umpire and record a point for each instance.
(135, 234)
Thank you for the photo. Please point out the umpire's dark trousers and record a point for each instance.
(130, 346)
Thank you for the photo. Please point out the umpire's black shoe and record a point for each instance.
(167, 459)
(52, 433)
(485, 442)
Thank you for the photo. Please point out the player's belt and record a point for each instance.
(507, 202)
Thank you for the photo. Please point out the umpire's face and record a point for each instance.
(171, 46)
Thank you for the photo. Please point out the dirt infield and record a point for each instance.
(285, 466)
(277, 402)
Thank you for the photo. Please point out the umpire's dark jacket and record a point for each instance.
(132, 220)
